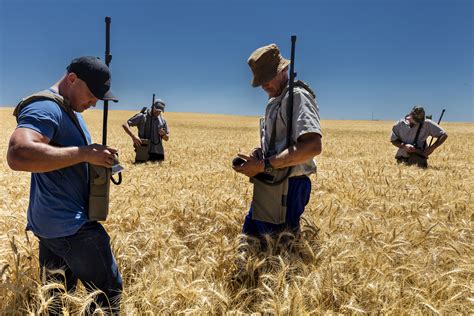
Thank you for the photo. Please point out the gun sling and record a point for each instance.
(415, 158)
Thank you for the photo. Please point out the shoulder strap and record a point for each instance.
(39, 96)
(415, 142)
(56, 98)
(148, 120)
(298, 83)
(305, 86)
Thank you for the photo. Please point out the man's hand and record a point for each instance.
(257, 152)
(409, 148)
(162, 132)
(251, 167)
(99, 155)
(429, 150)
(137, 142)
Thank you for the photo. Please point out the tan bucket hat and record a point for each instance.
(266, 62)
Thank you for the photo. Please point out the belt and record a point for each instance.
(299, 177)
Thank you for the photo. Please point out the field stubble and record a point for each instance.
(378, 237)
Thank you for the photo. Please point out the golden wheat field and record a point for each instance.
(377, 237)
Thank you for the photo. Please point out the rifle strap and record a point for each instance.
(415, 141)
(148, 121)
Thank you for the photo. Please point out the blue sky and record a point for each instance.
(363, 58)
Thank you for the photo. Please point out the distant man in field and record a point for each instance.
(152, 127)
(270, 71)
(52, 142)
(410, 134)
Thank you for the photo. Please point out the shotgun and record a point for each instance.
(100, 177)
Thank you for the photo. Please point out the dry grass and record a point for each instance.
(392, 239)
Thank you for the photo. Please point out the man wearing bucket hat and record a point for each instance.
(152, 127)
(270, 71)
(410, 134)
(53, 143)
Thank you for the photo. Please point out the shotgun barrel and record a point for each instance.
(291, 87)
(108, 59)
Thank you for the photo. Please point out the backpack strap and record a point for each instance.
(39, 96)
(305, 86)
(56, 98)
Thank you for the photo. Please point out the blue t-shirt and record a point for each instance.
(58, 199)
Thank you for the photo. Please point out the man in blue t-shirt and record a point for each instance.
(52, 142)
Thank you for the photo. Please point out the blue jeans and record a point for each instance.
(299, 190)
(86, 256)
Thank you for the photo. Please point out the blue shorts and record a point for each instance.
(299, 190)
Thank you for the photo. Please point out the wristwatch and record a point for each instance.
(268, 168)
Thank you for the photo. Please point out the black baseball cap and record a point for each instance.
(95, 74)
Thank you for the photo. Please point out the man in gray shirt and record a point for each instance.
(152, 127)
(270, 71)
(410, 134)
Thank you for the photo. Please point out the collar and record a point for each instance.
(279, 98)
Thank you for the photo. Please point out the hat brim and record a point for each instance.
(159, 106)
(260, 80)
(108, 96)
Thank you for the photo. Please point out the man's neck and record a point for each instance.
(59, 87)
(55, 88)
(284, 83)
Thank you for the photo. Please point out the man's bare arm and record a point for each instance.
(30, 151)
(308, 146)
(440, 141)
(136, 140)
(408, 147)
(127, 129)
(429, 150)
(398, 143)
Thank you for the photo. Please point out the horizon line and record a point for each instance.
(249, 115)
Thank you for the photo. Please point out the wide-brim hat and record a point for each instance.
(266, 62)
